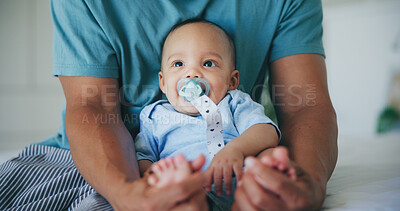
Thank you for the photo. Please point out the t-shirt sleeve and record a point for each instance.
(80, 46)
(299, 29)
(247, 113)
(145, 143)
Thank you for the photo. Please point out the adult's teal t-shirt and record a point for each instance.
(123, 39)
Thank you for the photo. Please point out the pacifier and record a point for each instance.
(191, 89)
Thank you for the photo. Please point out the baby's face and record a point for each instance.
(197, 50)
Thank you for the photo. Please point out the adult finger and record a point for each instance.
(198, 163)
(138, 197)
(270, 179)
(294, 193)
(309, 193)
(152, 179)
(227, 172)
(218, 180)
(260, 198)
(242, 201)
(170, 195)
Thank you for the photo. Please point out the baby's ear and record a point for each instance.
(234, 82)
(161, 81)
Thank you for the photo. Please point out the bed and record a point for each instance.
(367, 176)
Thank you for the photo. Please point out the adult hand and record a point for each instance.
(138, 195)
(196, 202)
(264, 188)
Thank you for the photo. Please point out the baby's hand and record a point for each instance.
(226, 161)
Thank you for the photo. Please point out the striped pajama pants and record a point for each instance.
(45, 178)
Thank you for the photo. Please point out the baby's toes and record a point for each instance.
(170, 163)
(281, 167)
(157, 169)
(163, 164)
(182, 167)
(281, 155)
(268, 161)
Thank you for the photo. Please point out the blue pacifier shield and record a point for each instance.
(191, 89)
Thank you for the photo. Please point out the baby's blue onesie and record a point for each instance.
(165, 132)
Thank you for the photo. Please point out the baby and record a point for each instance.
(198, 49)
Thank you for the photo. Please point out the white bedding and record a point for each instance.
(367, 175)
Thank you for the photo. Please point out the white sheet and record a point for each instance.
(367, 176)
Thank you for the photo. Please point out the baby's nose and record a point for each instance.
(193, 73)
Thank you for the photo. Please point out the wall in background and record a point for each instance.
(359, 38)
(359, 35)
(31, 99)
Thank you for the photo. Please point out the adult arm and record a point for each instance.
(103, 150)
(305, 114)
(308, 124)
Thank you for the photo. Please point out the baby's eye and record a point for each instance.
(209, 64)
(178, 64)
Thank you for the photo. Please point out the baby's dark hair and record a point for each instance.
(201, 20)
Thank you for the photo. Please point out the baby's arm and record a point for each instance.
(230, 158)
(255, 139)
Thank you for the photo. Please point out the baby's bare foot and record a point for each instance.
(169, 171)
(279, 160)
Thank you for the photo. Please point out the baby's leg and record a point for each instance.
(279, 160)
(170, 170)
